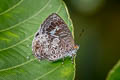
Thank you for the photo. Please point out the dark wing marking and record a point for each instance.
(59, 38)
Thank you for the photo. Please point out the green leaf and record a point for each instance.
(114, 74)
(19, 20)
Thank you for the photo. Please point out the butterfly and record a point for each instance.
(53, 41)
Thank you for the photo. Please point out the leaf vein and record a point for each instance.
(24, 39)
(13, 67)
(47, 73)
(14, 6)
(16, 45)
(25, 19)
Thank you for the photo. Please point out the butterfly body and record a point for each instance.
(53, 40)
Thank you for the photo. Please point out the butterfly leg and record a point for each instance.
(73, 57)
(63, 60)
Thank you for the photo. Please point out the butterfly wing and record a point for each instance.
(54, 39)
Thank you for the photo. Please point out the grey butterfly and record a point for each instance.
(53, 41)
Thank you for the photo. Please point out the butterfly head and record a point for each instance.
(76, 47)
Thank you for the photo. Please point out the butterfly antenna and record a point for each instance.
(81, 33)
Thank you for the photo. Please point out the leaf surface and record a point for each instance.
(18, 23)
(114, 74)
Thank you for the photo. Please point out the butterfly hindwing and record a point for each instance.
(54, 40)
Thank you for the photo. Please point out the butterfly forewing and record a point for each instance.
(54, 40)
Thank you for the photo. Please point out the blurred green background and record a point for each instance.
(100, 43)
